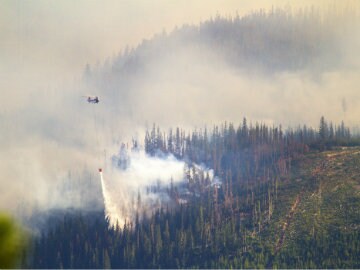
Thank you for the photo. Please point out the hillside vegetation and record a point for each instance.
(264, 42)
(281, 203)
(317, 223)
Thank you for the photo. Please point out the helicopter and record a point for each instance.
(92, 99)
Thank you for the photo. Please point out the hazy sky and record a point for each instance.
(46, 37)
(55, 39)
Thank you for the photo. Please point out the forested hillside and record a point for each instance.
(276, 40)
(266, 42)
(124, 143)
(286, 199)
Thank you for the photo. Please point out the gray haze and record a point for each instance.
(49, 135)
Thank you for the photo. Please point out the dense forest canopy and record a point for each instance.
(234, 223)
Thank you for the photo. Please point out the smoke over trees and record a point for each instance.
(274, 60)
(276, 66)
(228, 224)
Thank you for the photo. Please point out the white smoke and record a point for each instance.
(48, 132)
(136, 188)
(138, 184)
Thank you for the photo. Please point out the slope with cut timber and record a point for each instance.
(318, 211)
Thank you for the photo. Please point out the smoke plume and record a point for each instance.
(281, 67)
(136, 184)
